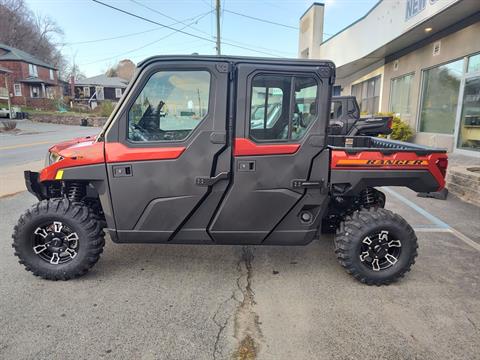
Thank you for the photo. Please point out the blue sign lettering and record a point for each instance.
(414, 7)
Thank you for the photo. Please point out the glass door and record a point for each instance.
(469, 132)
(469, 124)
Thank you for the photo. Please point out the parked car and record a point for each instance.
(345, 119)
(16, 113)
(222, 179)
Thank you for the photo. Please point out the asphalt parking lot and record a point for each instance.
(223, 302)
(219, 302)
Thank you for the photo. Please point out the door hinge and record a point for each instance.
(209, 181)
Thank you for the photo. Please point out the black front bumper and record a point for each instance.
(33, 184)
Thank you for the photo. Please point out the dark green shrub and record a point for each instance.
(105, 108)
(400, 129)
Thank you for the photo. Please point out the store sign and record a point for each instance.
(414, 7)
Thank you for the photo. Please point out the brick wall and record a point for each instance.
(40, 103)
(19, 72)
(464, 181)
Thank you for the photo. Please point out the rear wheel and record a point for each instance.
(376, 246)
(58, 240)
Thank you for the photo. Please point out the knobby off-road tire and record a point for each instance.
(58, 226)
(376, 246)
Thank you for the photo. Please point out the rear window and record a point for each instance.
(278, 114)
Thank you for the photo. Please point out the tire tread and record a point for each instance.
(363, 219)
(76, 211)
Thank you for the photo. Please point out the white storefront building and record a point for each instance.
(417, 58)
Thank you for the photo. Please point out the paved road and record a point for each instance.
(26, 150)
(34, 139)
(208, 302)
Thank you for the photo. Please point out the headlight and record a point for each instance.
(52, 158)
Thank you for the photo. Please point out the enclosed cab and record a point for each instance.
(222, 150)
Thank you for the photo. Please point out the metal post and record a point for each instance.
(218, 27)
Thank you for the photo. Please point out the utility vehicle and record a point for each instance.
(184, 159)
(345, 119)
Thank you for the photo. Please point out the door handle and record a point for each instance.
(209, 181)
(122, 170)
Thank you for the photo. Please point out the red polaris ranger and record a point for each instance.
(223, 150)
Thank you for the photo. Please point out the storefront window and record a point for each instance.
(473, 63)
(368, 94)
(400, 94)
(440, 92)
(469, 133)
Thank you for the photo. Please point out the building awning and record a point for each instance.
(37, 81)
(449, 20)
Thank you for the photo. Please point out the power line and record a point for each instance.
(162, 14)
(110, 38)
(172, 18)
(135, 33)
(210, 6)
(175, 29)
(143, 46)
(261, 20)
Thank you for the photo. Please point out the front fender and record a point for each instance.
(34, 186)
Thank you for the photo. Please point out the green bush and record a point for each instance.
(400, 129)
(105, 108)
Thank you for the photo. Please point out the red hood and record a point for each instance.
(76, 152)
(70, 143)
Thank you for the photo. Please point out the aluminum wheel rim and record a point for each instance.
(55, 243)
(380, 250)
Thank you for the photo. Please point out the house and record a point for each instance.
(99, 88)
(31, 81)
(4, 98)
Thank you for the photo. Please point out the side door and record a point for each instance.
(277, 194)
(163, 149)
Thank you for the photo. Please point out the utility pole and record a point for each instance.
(217, 7)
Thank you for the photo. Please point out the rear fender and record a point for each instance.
(421, 173)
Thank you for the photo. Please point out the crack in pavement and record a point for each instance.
(221, 324)
(246, 322)
(247, 325)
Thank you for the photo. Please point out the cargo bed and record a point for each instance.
(354, 144)
(360, 161)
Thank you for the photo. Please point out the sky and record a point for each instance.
(89, 27)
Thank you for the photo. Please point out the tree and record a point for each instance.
(124, 69)
(34, 34)
(71, 69)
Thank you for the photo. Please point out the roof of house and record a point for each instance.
(104, 80)
(13, 54)
(33, 80)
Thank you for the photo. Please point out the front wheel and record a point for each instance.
(376, 246)
(58, 240)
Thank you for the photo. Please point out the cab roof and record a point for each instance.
(240, 59)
